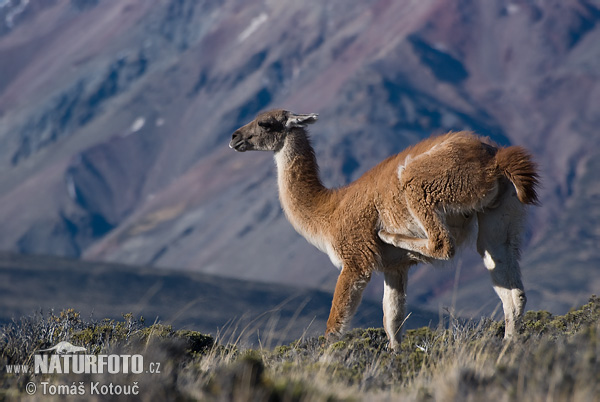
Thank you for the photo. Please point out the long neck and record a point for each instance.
(304, 199)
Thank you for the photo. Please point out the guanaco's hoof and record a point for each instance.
(332, 336)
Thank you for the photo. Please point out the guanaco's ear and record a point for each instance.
(300, 120)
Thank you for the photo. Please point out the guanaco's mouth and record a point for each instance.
(239, 145)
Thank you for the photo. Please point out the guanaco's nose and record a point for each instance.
(235, 138)
(238, 142)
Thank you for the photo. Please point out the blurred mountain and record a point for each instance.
(115, 119)
(221, 306)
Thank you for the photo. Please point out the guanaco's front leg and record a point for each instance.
(346, 298)
(394, 303)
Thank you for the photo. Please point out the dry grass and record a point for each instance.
(554, 359)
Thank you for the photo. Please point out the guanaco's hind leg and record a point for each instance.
(438, 244)
(455, 175)
(498, 243)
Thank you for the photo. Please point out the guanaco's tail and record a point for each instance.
(518, 166)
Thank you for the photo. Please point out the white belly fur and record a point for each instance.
(322, 244)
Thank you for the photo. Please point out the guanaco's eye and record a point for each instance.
(267, 125)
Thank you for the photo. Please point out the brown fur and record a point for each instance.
(416, 206)
(517, 164)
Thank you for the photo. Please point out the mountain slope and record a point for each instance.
(119, 113)
(197, 301)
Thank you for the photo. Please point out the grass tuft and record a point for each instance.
(554, 358)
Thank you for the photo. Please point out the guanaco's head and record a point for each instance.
(267, 132)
